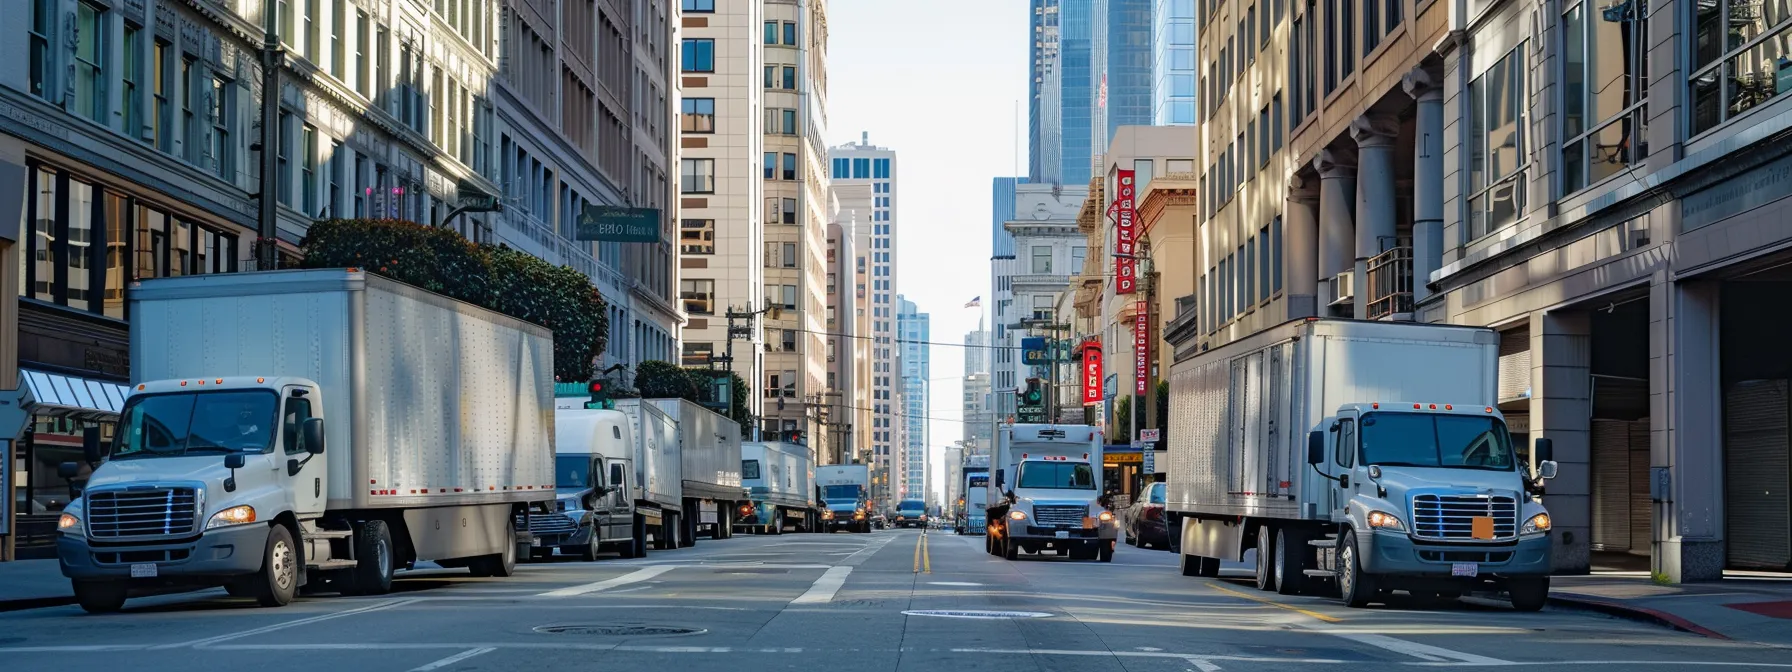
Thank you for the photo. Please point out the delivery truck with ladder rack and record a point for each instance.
(1366, 455)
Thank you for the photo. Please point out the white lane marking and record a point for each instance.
(1203, 665)
(952, 583)
(282, 626)
(469, 653)
(979, 615)
(824, 588)
(636, 576)
(1426, 652)
(870, 549)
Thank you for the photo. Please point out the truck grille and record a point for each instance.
(551, 523)
(148, 512)
(1453, 516)
(1059, 516)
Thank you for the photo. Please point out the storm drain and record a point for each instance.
(613, 630)
(984, 615)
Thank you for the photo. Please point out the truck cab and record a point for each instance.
(1431, 498)
(911, 513)
(1047, 494)
(593, 484)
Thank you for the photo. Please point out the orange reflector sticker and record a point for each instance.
(1482, 527)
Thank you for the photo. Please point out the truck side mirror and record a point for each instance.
(999, 482)
(312, 432)
(1545, 451)
(1547, 469)
(90, 445)
(1315, 447)
(68, 470)
(235, 461)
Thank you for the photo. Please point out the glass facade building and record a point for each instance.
(1173, 63)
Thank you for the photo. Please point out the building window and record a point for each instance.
(360, 80)
(90, 62)
(43, 24)
(697, 236)
(789, 77)
(787, 210)
(789, 256)
(1042, 259)
(310, 29)
(770, 162)
(284, 159)
(697, 354)
(161, 120)
(698, 296)
(790, 34)
(699, 55)
(771, 32)
(223, 153)
(789, 296)
(788, 119)
(1604, 110)
(697, 176)
(308, 170)
(133, 78)
(699, 115)
(790, 167)
(1497, 148)
(1078, 254)
(338, 21)
(1275, 254)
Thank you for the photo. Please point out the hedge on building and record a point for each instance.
(492, 276)
(663, 380)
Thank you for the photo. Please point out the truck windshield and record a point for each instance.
(1435, 440)
(172, 425)
(749, 469)
(1063, 475)
(840, 493)
(572, 471)
(911, 506)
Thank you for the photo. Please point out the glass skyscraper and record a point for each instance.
(1126, 43)
(1173, 63)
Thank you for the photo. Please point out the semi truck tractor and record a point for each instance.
(779, 478)
(599, 501)
(1367, 455)
(1046, 491)
(971, 517)
(846, 497)
(312, 429)
(709, 452)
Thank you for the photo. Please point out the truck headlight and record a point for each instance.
(1107, 516)
(236, 515)
(68, 524)
(1538, 524)
(827, 515)
(1017, 515)
(1386, 521)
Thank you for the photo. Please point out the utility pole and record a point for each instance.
(273, 58)
(746, 331)
(1149, 281)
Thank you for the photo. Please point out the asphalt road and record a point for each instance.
(885, 601)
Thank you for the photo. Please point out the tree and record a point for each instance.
(491, 276)
(704, 379)
(1120, 431)
(665, 380)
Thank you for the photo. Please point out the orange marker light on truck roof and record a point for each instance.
(261, 380)
(1434, 407)
(1489, 409)
(1375, 405)
(1448, 407)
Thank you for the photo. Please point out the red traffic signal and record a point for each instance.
(597, 386)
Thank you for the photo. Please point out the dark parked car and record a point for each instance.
(1145, 521)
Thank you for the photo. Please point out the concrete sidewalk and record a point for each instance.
(31, 584)
(1745, 606)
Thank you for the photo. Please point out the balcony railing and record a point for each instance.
(1390, 284)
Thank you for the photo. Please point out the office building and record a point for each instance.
(912, 326)
(864, 177)
(1173, 56)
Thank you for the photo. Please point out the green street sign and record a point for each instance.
(617, 224)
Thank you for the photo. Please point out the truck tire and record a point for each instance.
(1289, 566)
(1107, 551)
(638, 532)
(501, 564)
(1356, 588)
(1528, 593)
(593, 544)
(100, 597)
(372, 574)
(1190, 565)
(1266, 559)
(278, 580)
(687, 536)
(1009, 550)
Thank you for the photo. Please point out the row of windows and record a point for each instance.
(1245, 278)
(774, 30)
(845, 168)
(771, 167)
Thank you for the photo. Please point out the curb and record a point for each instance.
(36, 603)
(1635, 613)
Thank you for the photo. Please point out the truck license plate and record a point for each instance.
(1063, 534)
(143, 570)
(536, 542)
(1469, 569)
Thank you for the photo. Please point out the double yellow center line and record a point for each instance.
(923, 558)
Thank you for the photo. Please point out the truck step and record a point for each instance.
(329, 534)
(1322, 573)
(325, 565)
(1323, 543)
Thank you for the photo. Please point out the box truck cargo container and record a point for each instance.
(779, 478)
(295, 427)
(658, 470)
(971, 516)
(1371, 455)
(845, 491)
(709, 451)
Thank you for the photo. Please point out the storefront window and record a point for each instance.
(1497, 145)
(118, 227)
(44, 250)
(80, 243)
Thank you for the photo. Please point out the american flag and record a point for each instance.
(975, 303)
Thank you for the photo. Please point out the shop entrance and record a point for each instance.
(1622, 512)
(1755, 318)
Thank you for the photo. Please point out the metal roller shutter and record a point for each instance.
(1642, 510)
(1611, 485)
(1757, 513)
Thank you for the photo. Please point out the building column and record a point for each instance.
(1374, 135)
(1427, 182)
(1301, 226)
(1561, 410)
(1337, 186)
(1686, 428)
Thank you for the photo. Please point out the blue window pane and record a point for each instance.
(771, 165)
(699, 55)
(700, 5)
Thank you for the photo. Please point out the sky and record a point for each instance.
(938, 81)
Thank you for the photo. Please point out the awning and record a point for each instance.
(62, 396)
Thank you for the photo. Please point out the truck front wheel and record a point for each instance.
(372, 574)
(100, 597)
(500, 564)
(1354, 586)
(1107, 551)
(279, 577)
(1290, 571)
(1528, 593)
(638, 548)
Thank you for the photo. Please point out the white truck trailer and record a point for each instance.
(709, 450)
(1367, 454)
(779, 477)
(1045, 494)
(846, 497)
(972, 514)
(300, 427)
(659, 471)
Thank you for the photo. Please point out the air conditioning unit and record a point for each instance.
(1343, 288)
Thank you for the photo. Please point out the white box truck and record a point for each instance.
(600, 503)
(846, 497)
(709, 451)
(289, 427)
(971, 516)
(1045, 494)
(779, 478)
(659, 472)
(1368, 454)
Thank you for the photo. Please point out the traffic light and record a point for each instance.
(1034, 393)
(600, 397)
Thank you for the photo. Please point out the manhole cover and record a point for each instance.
(984, 615)
(611, 630)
